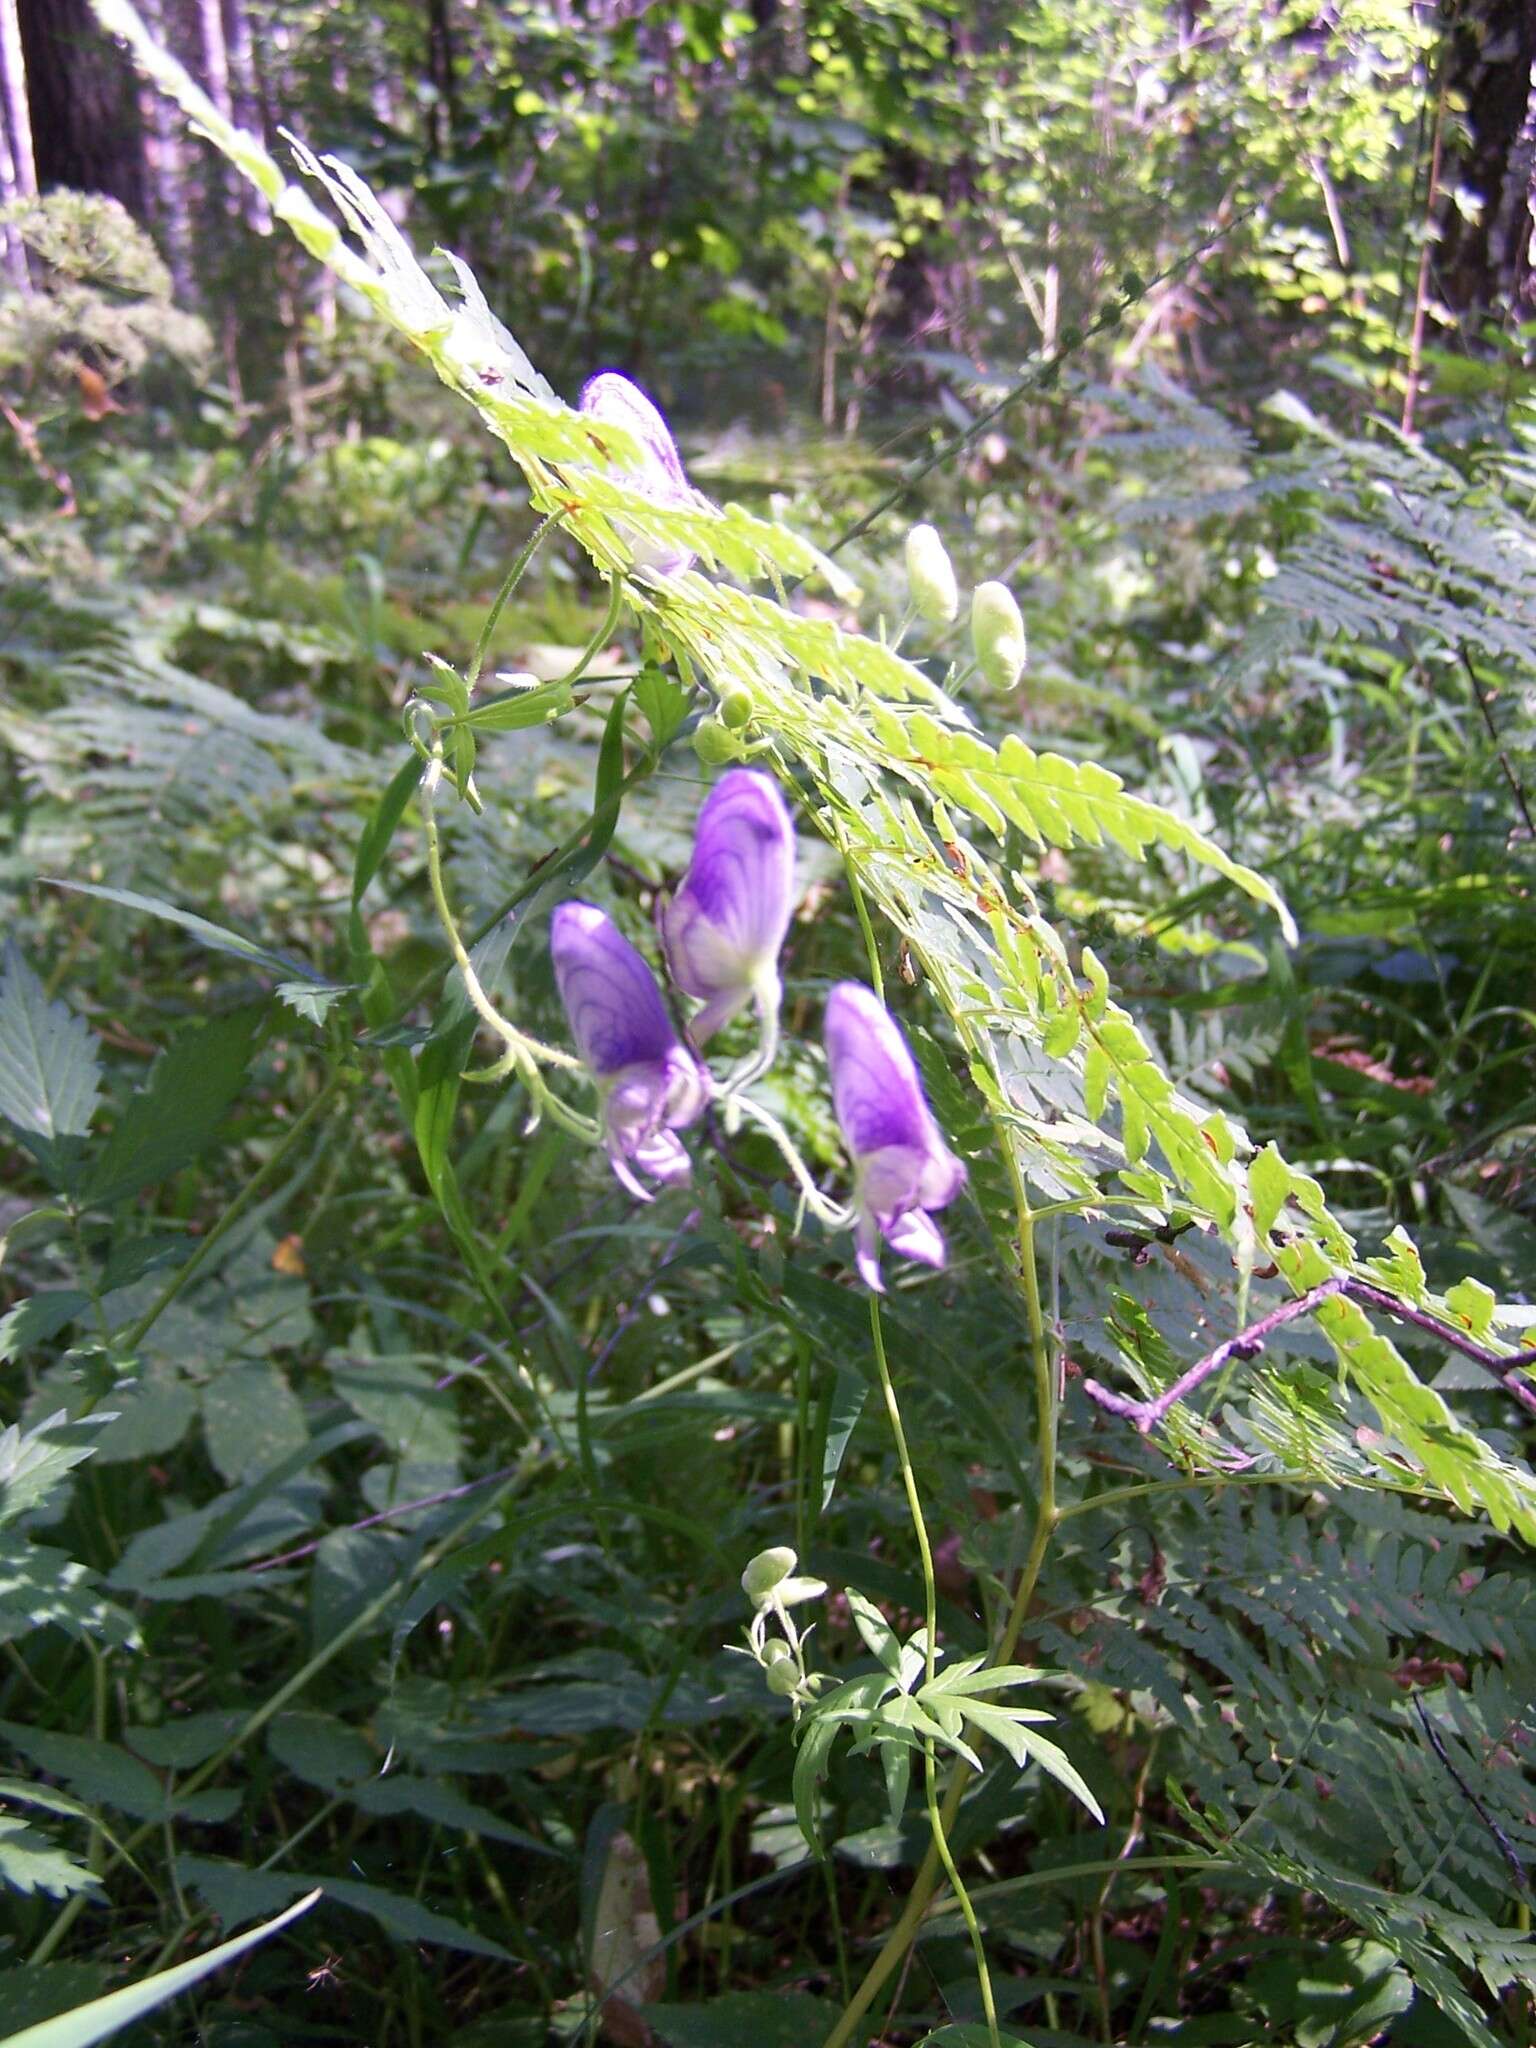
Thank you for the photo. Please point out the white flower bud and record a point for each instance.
(782, 1679)
(997, 634)
(931, 576)
(766, 1571)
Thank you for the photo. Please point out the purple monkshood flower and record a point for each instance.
(651, 1085)
(902, 1167)
(723, 929)
(660, 476)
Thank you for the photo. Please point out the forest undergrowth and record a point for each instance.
(975, 1489)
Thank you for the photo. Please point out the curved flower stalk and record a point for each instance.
(902, 1167)
(723, 929)
(650, 1084)
(611, 397)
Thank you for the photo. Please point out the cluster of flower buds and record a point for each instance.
(721, 934)
(773, 1584)
(997, 625)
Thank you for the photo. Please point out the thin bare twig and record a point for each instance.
(1427, 230)
(405, 1507)
(1516, 786)
(1250, 1342)
(1506, 1847)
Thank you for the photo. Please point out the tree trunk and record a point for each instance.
(1487, 260)
(14, 119)
(166, 170)
(82, 104)
(245, 93)
(443, 111)
(18, 179)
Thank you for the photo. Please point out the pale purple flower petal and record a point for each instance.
(651, 1085)
(902, 1166)
(611, 397)
(723, 929)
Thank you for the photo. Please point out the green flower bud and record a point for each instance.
(736, 709)
(997, 634)
(775, 1650)
(931, 577)
(714, 745)
(782, 1679)
(770, 1568)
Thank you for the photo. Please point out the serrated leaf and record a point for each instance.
(30, 1862)
(34, 1462)
(520, 709)
(39, 1317)
(44, 1588)
(321, 1750)
(50, 1070)
(99, 1772)
(662, 702)
(433, 1800)
(37, 1991)
(177, 1113)
(843, 1404)
(977, 1676)
(314, 1000)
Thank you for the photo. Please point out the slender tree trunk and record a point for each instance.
(246, 96)
(13, 250)
(18, 179)
(82, 104)
(14, 116)
(166, 164)
(444, 116)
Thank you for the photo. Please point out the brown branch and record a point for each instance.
(32, 449)
(1250, 1342)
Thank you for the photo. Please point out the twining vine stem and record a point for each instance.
(1249, 1343)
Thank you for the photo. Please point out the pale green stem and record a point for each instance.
(523, 1054)
(604, 633)
(510, 581)
(825, 1212)
(904, 1931)
(753, 1068)
(936, 1819)
(861, 911)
